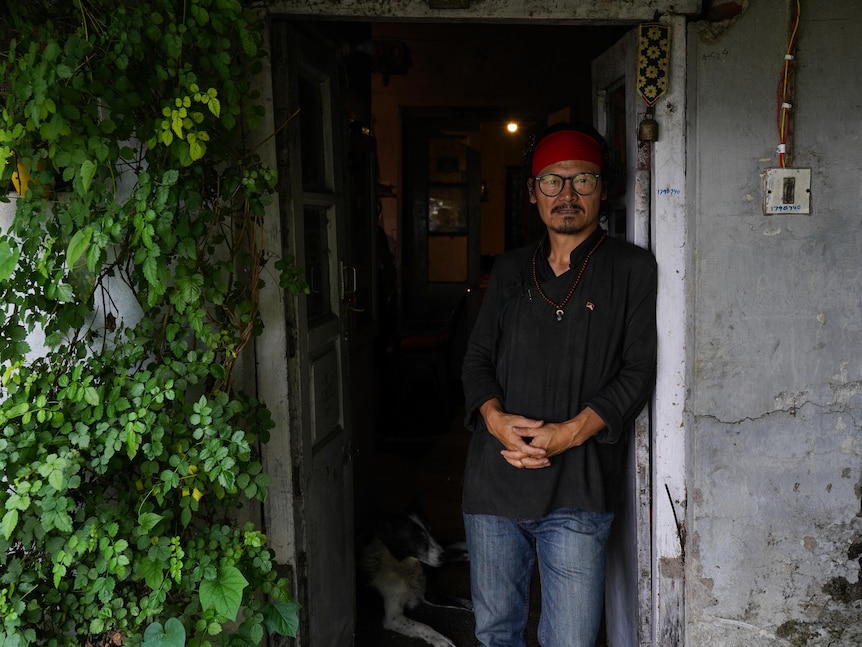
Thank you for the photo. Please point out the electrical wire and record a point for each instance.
(785, 90)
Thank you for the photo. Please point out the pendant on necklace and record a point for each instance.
(559, 306)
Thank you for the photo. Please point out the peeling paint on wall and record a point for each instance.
(719, 19)
(841, 589)
(839, 621)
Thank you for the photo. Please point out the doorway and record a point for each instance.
(458, 86)
(462, 68)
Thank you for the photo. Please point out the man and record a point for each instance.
(560, 361)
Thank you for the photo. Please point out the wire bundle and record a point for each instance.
(785, 90)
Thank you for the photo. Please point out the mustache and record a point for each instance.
(567, 205)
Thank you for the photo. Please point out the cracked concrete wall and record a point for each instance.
(775, 532)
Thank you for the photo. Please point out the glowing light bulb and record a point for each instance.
(512, 127)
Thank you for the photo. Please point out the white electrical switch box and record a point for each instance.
(786, 190)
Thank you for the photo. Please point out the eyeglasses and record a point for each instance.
(582, 183)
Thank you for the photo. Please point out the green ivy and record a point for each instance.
(129, 282)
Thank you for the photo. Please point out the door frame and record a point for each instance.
(276, 385)
(656, 204)
(670, 182)
(628, 597)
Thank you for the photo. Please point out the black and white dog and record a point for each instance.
(394, 562)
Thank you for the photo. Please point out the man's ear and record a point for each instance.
(531, 189)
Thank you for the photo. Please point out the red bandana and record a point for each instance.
(566, 145)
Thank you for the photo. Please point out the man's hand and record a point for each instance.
(531, 443)
(557, 437)
(515, 433)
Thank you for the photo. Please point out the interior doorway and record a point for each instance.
(457, 87)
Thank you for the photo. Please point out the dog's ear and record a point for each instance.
(398, 532)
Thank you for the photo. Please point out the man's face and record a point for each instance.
(569, 212)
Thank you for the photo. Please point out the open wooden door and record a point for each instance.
(312, 166)
(629, 594)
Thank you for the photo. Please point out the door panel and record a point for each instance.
(312, 169)
(629, 593)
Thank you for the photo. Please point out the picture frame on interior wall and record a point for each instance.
(448, 160)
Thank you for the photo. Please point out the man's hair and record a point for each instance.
(609, 170)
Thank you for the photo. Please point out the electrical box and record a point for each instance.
(786, 190)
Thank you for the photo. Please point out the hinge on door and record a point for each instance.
(350, 452)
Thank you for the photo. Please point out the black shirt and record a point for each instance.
(601, 354)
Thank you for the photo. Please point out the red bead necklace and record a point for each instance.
(558, 307)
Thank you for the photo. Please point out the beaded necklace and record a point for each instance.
(559, 306)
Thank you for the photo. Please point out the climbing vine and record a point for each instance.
(129, 281)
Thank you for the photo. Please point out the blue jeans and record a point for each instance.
(570, 547)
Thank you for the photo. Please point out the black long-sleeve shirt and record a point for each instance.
(601, 354)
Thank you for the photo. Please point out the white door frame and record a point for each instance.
(628, 598)
(656, 198)
(670, 425)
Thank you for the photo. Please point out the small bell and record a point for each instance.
(648, 128)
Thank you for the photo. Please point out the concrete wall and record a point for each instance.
(775, 532)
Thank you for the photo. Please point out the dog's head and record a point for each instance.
(407, 535)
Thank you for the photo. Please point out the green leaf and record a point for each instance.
(65, 293)
(10, 520)
(57, 479)
(56, 519)
(59, 572)
(18, 410)
(170, 177)
(225, 593)
(132, 442)
(77, 246)
(249, 45)
(173, 634)
(177, 124)
(91, 395)
(148, 520)
(214, 106)
(56, 127)
(88, 172)
(8, 260)
(150, 269)
(282, 617)
(152, 572)
(196, 149)
(51, 51)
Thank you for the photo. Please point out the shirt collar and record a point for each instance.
(578, 253)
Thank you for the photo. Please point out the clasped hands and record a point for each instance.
(530, 443)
